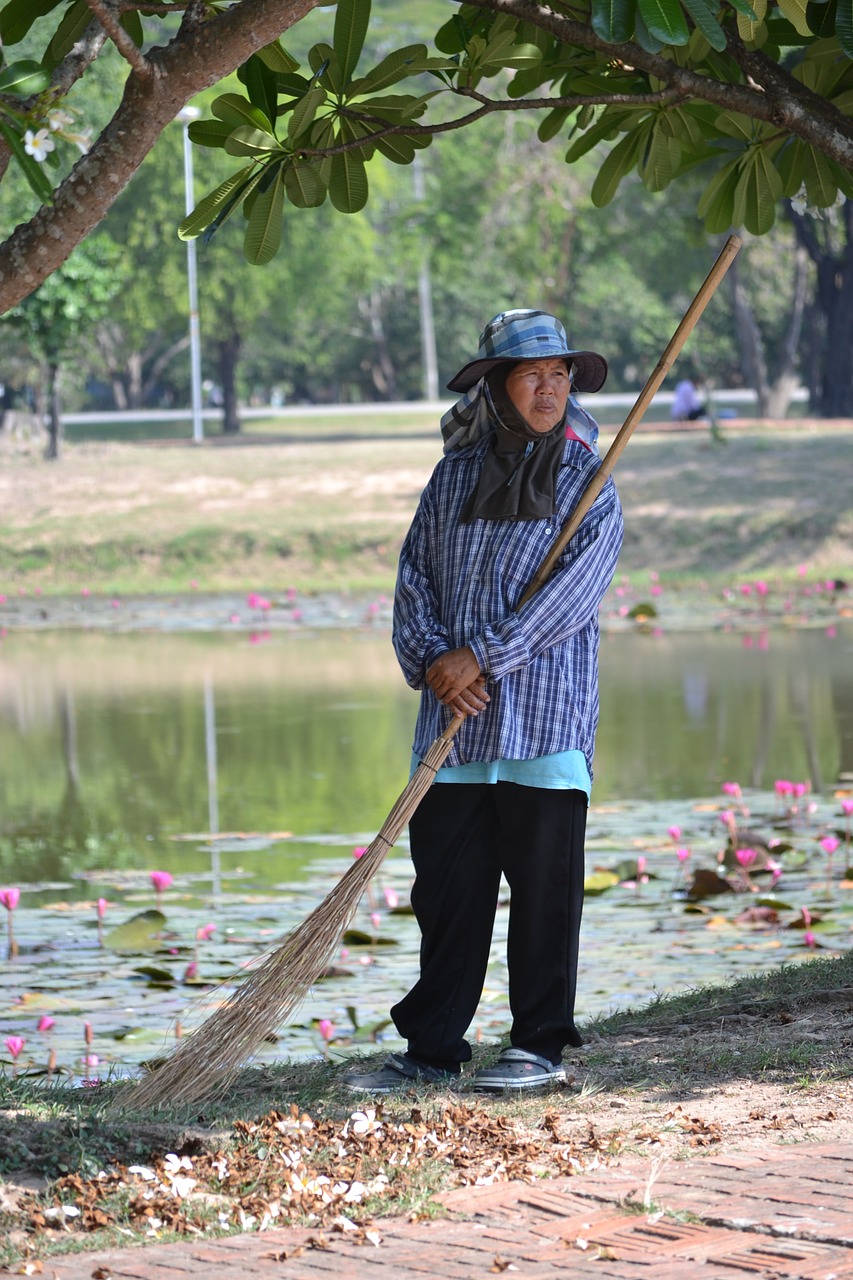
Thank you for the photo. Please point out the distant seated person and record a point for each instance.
(687, 404)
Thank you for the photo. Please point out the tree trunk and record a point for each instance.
(199, 56)
(381, 366)
(54, 420)
(829, 369)
(228, 355)
(752, 359)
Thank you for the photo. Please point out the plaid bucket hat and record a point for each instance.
(529, 335)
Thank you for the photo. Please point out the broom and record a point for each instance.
(208, 1060)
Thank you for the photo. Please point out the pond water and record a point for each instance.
(249, 772)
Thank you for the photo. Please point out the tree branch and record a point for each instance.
(120, 38)
(774, 101)
(194, 60)
(488, 107)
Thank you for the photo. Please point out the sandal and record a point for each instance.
(398, 1071)
(518, 1069)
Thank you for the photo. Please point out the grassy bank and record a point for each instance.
(325, 507)
(721, 1065)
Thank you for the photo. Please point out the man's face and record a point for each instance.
(539, 389)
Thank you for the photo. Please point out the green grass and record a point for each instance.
(322, 504)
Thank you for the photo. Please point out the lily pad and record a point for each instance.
(599, 882)
(140, 933)
(155, 974)
(357, 938)
(706, 884)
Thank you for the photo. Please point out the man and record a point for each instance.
(687, 403)
(511, 798)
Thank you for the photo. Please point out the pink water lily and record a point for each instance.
(745, 857)
(327, 1030)
(682, 854)
(161, 881)
(45, 1023)
(391, 899)
(204, 932)
(829, 844)
(10, 899)
(732, 789)
(15, 1045)
(809, 939)
(674, 833)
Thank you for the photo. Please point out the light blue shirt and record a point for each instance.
(562, 771)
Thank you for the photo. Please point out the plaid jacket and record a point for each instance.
(458, 584)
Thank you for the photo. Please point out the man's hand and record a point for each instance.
(456, 680)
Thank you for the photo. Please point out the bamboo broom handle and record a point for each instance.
(596, 484)
(641, 404)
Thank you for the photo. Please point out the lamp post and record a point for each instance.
(185, 116)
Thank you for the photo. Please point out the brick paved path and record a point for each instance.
(786, 1214)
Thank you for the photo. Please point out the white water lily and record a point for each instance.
(38, 144)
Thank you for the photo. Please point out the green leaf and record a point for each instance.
(603, 130)
(665, 20)
(263, 232)
(303, 184)
(716, 205)
(553, 123)
(24, 78)
(140, 933)
(760, 187)
(251, 142)
(209, 133)
(348, 185)
(31, 168)
(618, 163)
(819, 179)
(613, 20)
(707, 23)
(644, 37)
(132, 24)
(745, 8)
(69, 31)
(795, 12)
(514, 56)
(821, 17)
(351, 22)
(327, 70)
(205, 211)
(276, 58)
(18, 16)
(398, 149)
(844, 26)
(305, 110)
(396, 66)
(661, 160)
(791, 165)
(238, 112)
(261, 86)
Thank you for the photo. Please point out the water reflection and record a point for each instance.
(251, 771)
(111, 746)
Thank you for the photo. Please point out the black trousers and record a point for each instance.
(462, 838)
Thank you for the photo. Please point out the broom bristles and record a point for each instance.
(207, 1061)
